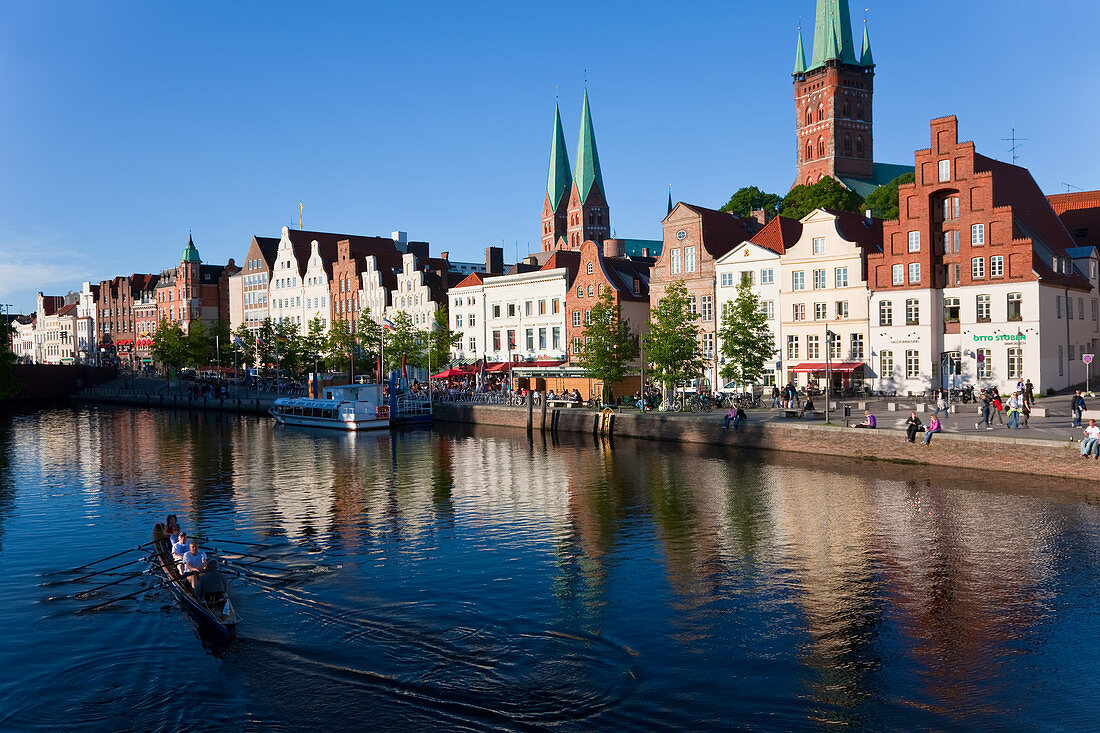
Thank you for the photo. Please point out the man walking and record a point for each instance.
(987, 408)
(941, 403)
(1077, 406)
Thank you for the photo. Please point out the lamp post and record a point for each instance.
(828, 368)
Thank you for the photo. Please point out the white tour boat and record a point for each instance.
(344, 407)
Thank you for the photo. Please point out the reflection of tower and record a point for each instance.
(588, 216)
(832, 97)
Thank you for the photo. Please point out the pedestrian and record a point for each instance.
(1025, 409)
(1029, 392)
(775, 397)
(1091, 443)
(984, 410)
(1013, 411)
(998, 406)
(941, 403)
(933, 427)
(1077, 406)
(913, 426)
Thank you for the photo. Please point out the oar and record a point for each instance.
(240, 554)
(253, 565)
(110, 557)
(100, 587)
(101, 572)
(120, 598)
(231, 542)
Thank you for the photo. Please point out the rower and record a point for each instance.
(172, 527)
(194, 560)
(210, 586)
(179, 549)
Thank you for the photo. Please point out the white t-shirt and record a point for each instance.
(1093, 431)
(194, 561)
(180, 548)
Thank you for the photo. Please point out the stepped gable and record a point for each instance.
(302, 240)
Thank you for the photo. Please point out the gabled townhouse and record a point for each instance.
(979, 281)
(604, 267)
(824, 300)
(757, 261)
(694, 238)
(194, 291)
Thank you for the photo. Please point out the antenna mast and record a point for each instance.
(1016, 144)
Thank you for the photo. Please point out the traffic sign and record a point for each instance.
(1087, 358)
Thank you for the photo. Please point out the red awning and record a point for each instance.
(542, 363)
(819, 366)
(451, 374)
(500, 366)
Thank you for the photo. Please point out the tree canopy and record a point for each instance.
(828, 193)
(883, 201)
(671, 346)
(441, 339)
(609, 344)
(169, 346)
(7, 358)
(746, 338)
(749, 199)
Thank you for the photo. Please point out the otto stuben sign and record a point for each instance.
(1002, 337)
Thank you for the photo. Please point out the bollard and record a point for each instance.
(542, 424)
(530, 410)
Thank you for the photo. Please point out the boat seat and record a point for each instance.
(215, 601)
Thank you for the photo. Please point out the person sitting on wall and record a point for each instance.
(1091, 443)
(739, 418)
(868, 421)
(807, 406)
(729, 418)
(933, 427)
(913, 426)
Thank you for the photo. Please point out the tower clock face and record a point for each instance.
(681, 235)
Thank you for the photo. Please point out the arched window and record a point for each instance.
(589, 269)
(809, 150)
(590, 291)
(820, 113)
(847, 108)
(847, 144)
(821, 147)
(859, 145)
(859, 111)
(809, 116)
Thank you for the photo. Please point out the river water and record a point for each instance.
(475, 580)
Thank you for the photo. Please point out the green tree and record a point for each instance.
(828, 193)
(746, 338)
(265, 345)
(244, 346)
(368, 334)
(609, 344)
(169, 347)
(405, 339)
(199, 345)
(883, 201)
(288, 346)
(341, 345)
(749, 199)
(223, 342)
(314, 344)
(671, 346)
(441, 338)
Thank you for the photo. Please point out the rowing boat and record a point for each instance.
(214, 615)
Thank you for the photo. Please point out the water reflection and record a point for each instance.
(475, 578)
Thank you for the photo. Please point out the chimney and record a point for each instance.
(614, 248)
(400, 241)
(444, 256)
(760, 215)
(494, 260)
(531, 260)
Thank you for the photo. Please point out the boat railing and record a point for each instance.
(412, 404)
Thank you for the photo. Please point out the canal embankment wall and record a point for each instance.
(50, 381)
(244, 405)
(953, 450)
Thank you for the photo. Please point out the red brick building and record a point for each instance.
(600, 268)
(575, 206)
(194, 291)
(122, 307)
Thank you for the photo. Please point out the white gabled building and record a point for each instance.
(758, 260)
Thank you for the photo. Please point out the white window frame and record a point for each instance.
(997, 266)
(914, 241)
(819, 245)
(798, 280)
(841, 277)
(945, 171)
(977, 235)
(977, 268)
(885, 308)
(914, 273)
(897, 273)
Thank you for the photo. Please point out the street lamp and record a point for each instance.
(829, 336)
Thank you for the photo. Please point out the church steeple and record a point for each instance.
(833, 34)
(865, 58)
(799, 55)
(558, 184)
(588, 215)
(588, 160)
(190, 252)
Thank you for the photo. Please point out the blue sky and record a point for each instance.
(124, 124)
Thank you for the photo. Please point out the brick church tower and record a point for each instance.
(588, 216)
(832, 97)
(559, 181)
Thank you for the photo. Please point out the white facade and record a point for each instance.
(236, 301)
(22, 342)
(511, 317)
(286, 293)
(762, 267)
(412, 295)
(316, 290)
(373, 293)
(823, 289)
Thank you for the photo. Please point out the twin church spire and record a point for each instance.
(575, 208)
(833, 39)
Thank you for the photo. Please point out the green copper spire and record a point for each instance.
(558, 180)
(833, 34)
(865, 56)
(587, 171)
(799, 55)
(190, 253)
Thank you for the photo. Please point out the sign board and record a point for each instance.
(1087, 358)
(981, 357)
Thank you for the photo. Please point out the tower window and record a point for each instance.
(859, 145)
(820, 113)
(847, 144)
(809, 116)
(821, 147)
(847, 108)
(859, 111)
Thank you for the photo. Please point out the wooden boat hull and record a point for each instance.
(214, 629)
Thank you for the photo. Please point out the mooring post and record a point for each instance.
(530, 409)
(542, 424)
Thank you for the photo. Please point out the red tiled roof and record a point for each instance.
(474, 278)
(1080, 215)
(723, 231)
(778, 234)
(66, 310)
(51, 304)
